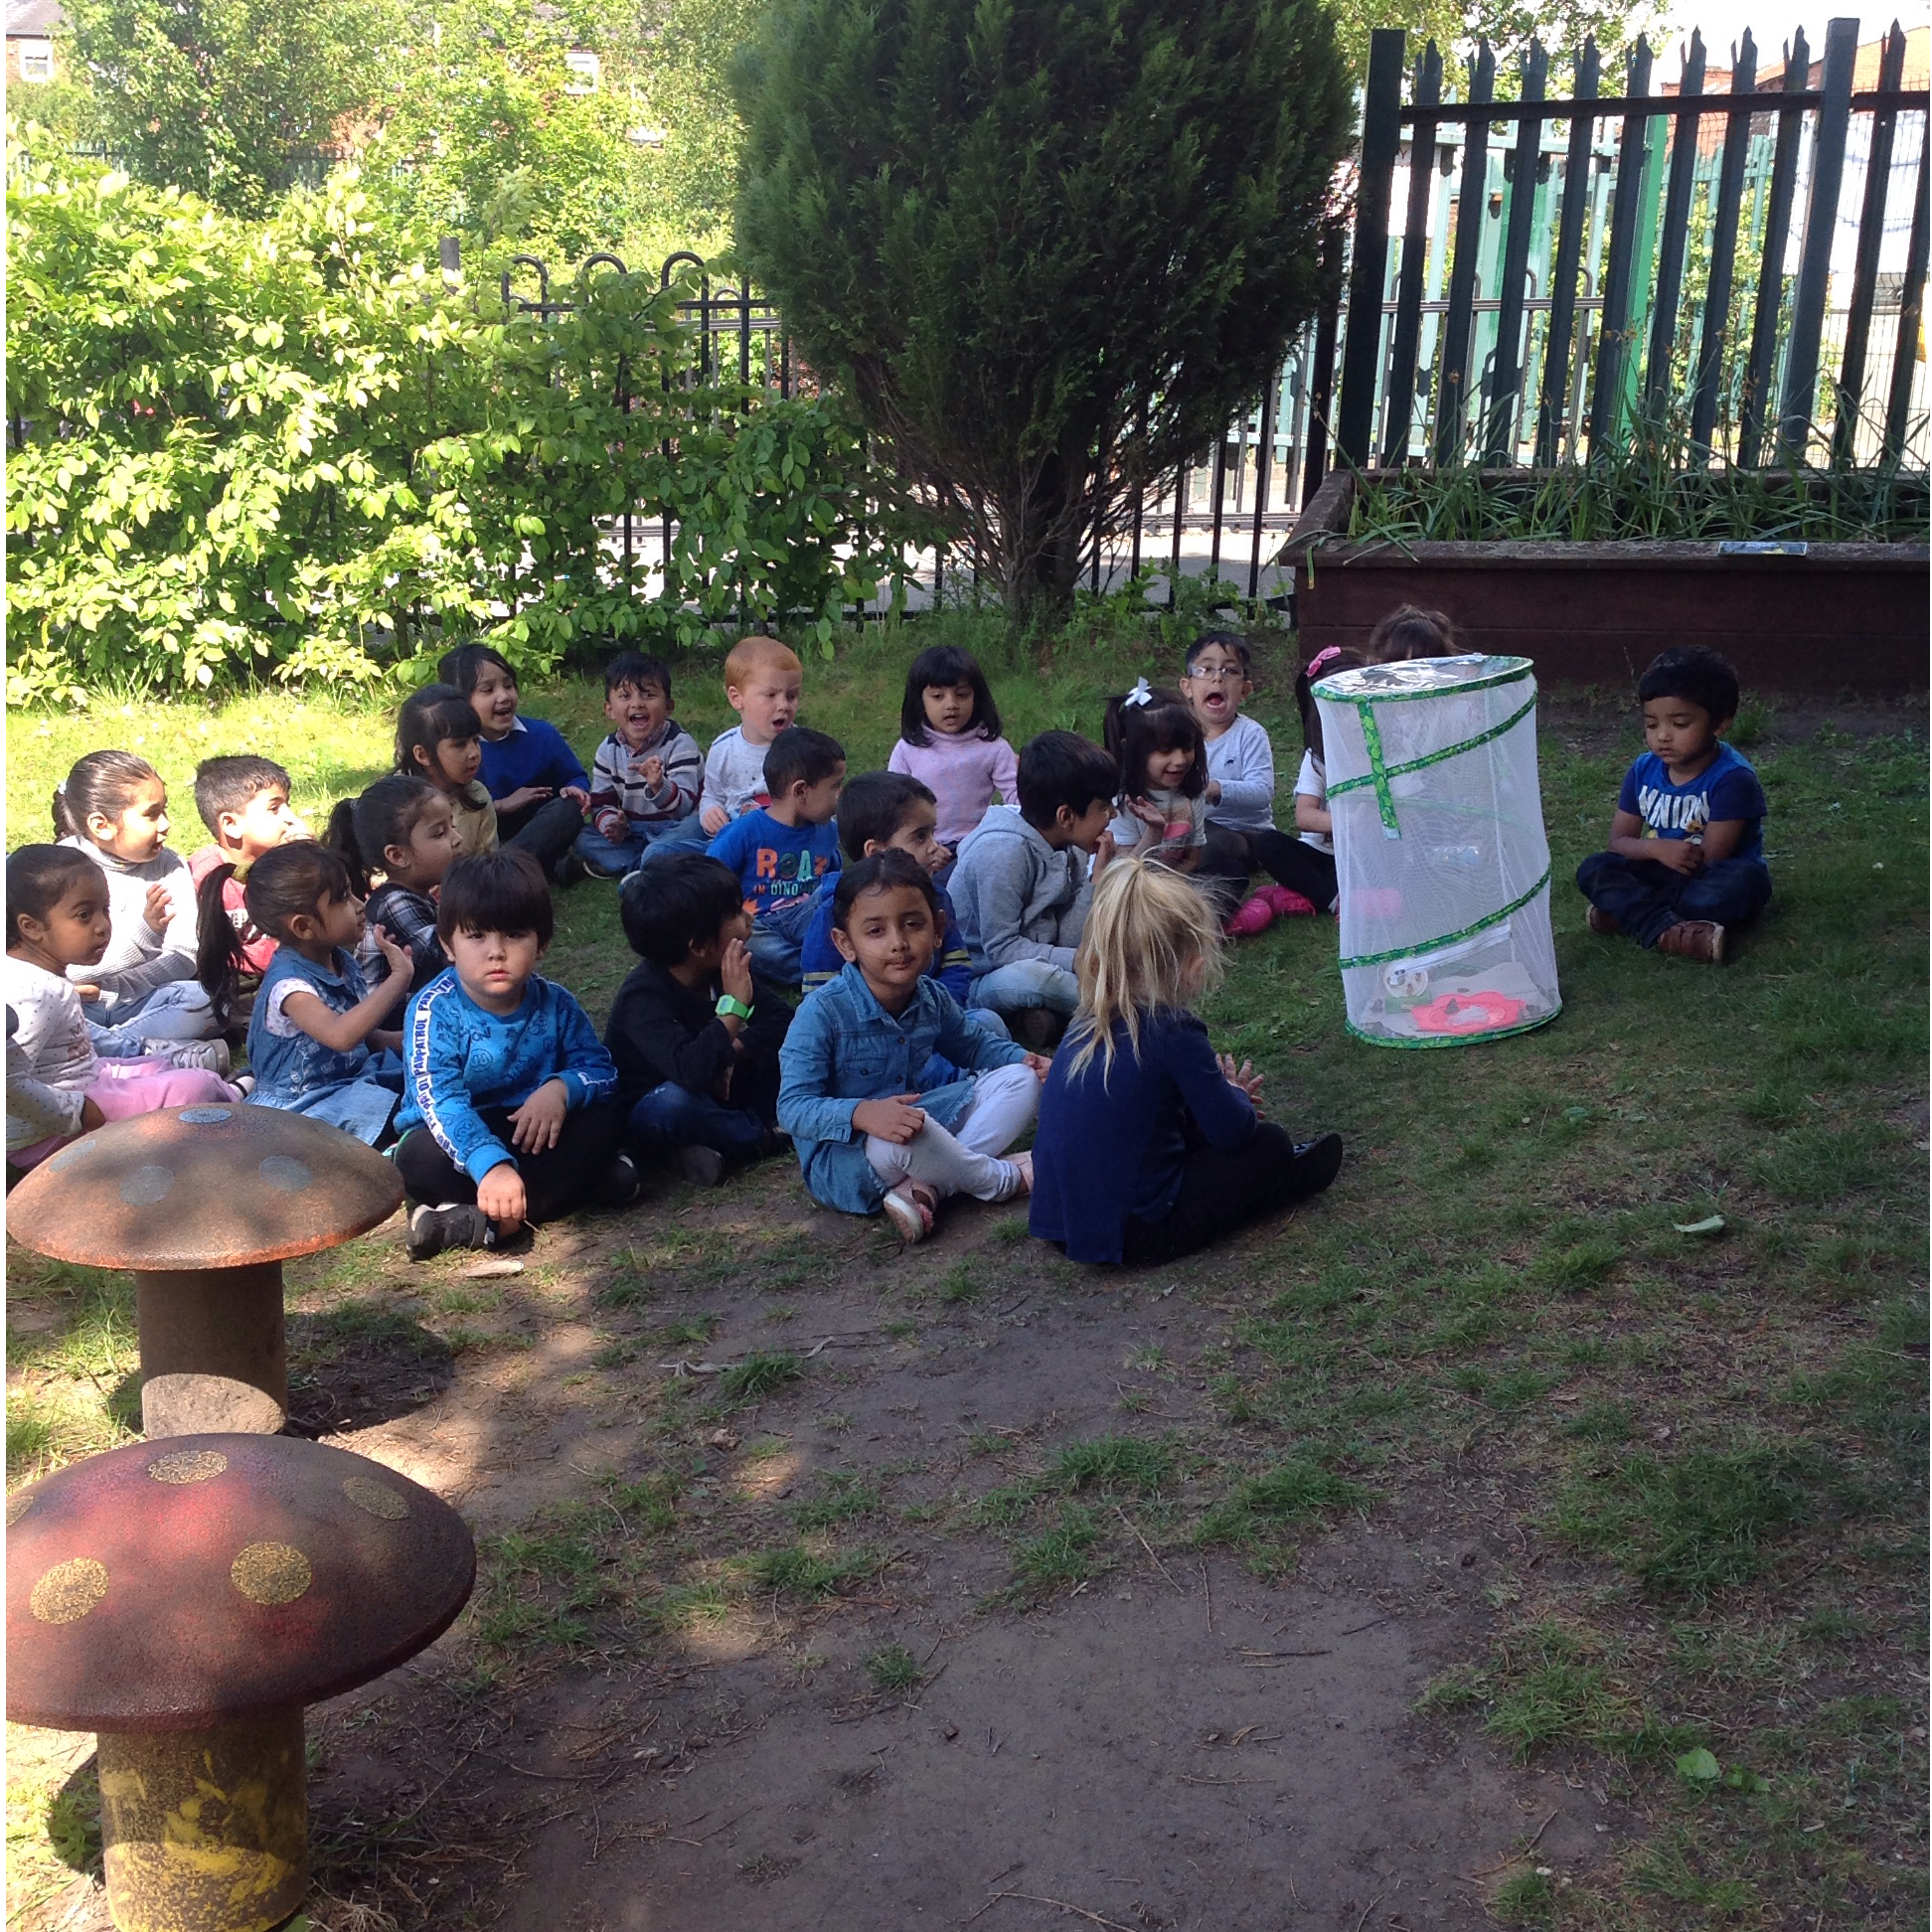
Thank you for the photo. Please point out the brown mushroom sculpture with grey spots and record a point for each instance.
(205, 1203)
(186, 1600)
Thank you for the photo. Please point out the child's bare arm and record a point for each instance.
(342, 1032)
(1720, 839)
(1311, 815)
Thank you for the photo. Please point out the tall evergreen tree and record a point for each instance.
(1051, 246)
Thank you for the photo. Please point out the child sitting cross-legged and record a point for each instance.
(1149, 1146)
(315, 1039)
(782, 850)
(1021, 882)
(244, 802)
(1686, 860)
(540, 787)
(646, 775)
(140, 992)
(57, 919)
(868, 1136)
(695, 1030)
(509, 1114)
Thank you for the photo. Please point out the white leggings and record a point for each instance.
(963, 1161)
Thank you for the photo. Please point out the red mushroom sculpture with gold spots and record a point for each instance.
(205, 1203)
(186, 1600)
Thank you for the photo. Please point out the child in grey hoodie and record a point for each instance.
(1021, 885)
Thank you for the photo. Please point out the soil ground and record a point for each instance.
(826, 1583)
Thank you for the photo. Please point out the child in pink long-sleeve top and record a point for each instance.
(949, 740)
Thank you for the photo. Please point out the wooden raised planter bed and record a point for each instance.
(1844, 616)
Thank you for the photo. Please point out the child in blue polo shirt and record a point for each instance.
(783, 850)
(1686, 860)
(541, 788)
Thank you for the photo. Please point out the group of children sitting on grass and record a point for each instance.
(388, 971)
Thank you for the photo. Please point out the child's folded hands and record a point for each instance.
(897, 1120)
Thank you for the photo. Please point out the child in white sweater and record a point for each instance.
(141, 987)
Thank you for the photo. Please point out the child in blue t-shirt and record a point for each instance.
(1687, 846)
(783, 850)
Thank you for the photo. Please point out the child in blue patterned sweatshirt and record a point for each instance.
(1686, 860)
(782, 851)
(509, 1114)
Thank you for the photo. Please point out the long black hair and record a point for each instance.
(98, 786)
(39, 878)
(362, 829)
(1338, 657)
(946, 664)
(465, 663)
(288, 879)
(1148, 718)
(429, 717)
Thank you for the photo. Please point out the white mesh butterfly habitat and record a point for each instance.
(1439, 849)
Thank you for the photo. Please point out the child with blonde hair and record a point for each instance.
(1151, 1145)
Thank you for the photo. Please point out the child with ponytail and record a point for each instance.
(113, 807)
(313, 1043)
(1151, 1146)
(403, 829)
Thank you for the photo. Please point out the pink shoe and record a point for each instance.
(1287, 904)
(1253, 915)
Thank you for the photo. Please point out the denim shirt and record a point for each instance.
(845, 1047)
(295, 1072)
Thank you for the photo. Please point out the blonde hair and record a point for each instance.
(757, 653)
(1150, 942)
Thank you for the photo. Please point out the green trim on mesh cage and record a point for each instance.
(1452, 1040)
(1451, 938)
(1379, 774)
(1522, 668)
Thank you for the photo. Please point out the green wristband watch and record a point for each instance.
(728, 1007)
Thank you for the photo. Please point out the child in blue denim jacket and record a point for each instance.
(866, 1137)
(314, 1045)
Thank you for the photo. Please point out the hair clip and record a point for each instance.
(1321, 658)
(1142, 693)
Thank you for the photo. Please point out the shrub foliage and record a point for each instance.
(237, 448)
(1049, 249)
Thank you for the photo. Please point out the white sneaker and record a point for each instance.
(210, 1055)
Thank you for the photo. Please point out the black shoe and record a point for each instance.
(461, 1225)
(1316, 1164)
(703, 1167)
(570, 868)
(622, 1184)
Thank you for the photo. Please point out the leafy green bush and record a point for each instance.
(265, 446)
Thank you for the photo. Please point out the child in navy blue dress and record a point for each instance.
(1686, 860)
(1150, 1145)
(314, 1040)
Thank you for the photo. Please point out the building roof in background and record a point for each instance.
(34, 18)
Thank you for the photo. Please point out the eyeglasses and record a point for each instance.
(1229, 674)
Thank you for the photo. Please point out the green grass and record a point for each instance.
(895, 1670)
(1491, 1324)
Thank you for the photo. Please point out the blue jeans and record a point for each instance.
(686, 835)
(778, 938)
(670, 1116)
(614, 858)
(1646, 899)
(1026, 986)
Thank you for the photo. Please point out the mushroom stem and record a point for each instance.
(213, 1353)
(206, 1831)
